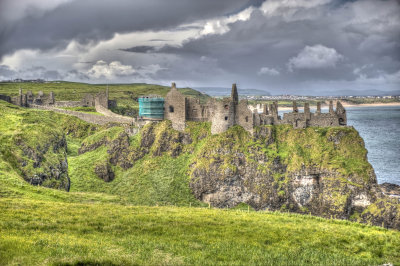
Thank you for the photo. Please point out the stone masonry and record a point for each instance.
(229, 111)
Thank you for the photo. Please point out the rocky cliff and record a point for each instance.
(35, 147)
(318, 171)
(321, 171)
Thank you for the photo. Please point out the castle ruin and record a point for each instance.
(222, 113)
(229, 111)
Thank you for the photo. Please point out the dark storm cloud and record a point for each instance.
(93, 20)
(139, 49)
(273, 42)
(292, 46)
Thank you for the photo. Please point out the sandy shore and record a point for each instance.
(370, 104)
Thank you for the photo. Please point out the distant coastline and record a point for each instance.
(345, 104)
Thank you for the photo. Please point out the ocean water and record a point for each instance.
(380, 129)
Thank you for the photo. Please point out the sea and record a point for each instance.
(379, 126)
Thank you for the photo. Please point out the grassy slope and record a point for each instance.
(97, 223)
(125, 94)
(44, 226)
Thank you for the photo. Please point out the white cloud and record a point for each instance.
(109, 71)
(115, 70)
(289, 9)
(221, 25)
(313, 57)
(268, 71)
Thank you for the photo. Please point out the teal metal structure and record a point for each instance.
(151, 108)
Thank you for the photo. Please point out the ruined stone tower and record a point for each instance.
(175, 108)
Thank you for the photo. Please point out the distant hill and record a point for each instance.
(372, 92)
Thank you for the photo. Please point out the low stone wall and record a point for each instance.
(67, 104)
(90, 118)
(103, 110)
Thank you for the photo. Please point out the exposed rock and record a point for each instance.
(104, 172)
(86, 148)
(148, 136)
(48, 161)
(120, 153)
(238, 173)
(390, 189)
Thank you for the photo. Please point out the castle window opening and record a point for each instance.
(171, 109)
(226, 118)
(226, 107)
(247, 119)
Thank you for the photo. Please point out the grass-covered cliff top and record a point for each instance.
(125, 94)
(148, 215)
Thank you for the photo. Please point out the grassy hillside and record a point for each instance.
(147, 214)
(125, 94)
(44, 226)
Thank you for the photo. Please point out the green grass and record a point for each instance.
(371, 100)
(126, 95)
(148, 215)
(44, 226)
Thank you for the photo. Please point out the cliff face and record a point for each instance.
(45, 163)
(34, 146)
(322, 171)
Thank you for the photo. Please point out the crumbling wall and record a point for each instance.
(175, 108)
(244, 116)
(88, 100)
(101, 99)
(195, 111)
(222, 115)
(67, 104)
(90, 118)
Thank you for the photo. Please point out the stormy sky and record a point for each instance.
(280, 46)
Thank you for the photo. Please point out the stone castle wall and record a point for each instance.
(175, 108)
(228, 112)
(67, 104)
(90, 118)
(222, 115)
(195, 111)
(244, 116)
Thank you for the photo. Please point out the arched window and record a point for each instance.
(171, 109)
(247, 119)
(226, 118)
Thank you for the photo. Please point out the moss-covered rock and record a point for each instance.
(34, 146)
(322, 171)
